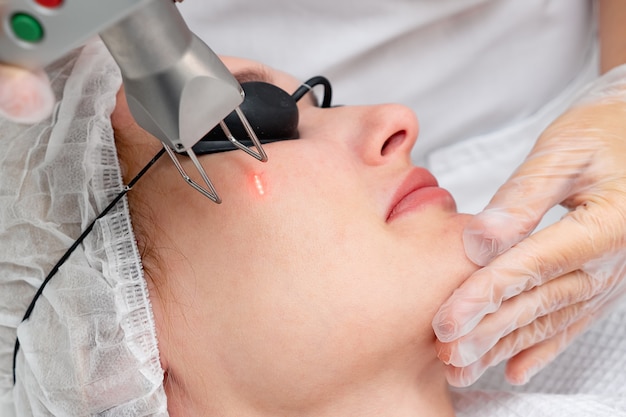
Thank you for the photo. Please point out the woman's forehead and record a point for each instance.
(246, 70)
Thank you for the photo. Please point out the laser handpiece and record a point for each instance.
(176, 87)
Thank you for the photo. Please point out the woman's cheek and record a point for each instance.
(258, 184)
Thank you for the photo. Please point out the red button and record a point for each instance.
(51, 4)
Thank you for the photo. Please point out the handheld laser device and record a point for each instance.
(176, 87)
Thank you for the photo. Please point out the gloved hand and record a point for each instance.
(537, 292)
(25, 97)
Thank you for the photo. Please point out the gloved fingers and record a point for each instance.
(578, 162)
(526, 364)
(25, 97)
(539, 184)
(539, 330)
(573, 162)
(554, 251)
(520, 311)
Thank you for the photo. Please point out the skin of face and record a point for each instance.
(299, 294)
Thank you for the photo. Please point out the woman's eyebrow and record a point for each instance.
(253, 74)
(261, 74)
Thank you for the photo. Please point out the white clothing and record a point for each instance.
(478, 73)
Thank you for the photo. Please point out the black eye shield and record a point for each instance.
(270, 110)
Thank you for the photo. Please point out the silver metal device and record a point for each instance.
(176, 87)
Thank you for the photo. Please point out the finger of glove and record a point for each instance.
(554, 251)
(25, 97)
(518, 312)
(526, 364)
(541, 329)
(549, 174)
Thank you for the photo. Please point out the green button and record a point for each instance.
(26, 27)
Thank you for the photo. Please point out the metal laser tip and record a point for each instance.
(260, 154)
(208, 192)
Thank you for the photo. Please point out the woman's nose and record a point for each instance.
(384, 133)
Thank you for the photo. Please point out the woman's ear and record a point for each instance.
(135, 146)
(121, 118)
(126, 127)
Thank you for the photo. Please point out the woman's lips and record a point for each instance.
(419, 189)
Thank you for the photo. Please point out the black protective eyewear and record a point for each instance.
(270, 110)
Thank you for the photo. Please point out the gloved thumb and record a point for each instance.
(25, 96)
(545, 179)
(484, 237)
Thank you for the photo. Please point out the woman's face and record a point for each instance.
(321, 267)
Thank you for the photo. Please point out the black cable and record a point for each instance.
(78, 241)
(308, 86)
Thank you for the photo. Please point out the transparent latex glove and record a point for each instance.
(25, 96)
(537, 292)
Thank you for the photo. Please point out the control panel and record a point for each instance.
(34, 33)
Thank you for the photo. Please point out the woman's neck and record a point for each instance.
(392, 393)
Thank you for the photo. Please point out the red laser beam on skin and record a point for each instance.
(258, 184)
